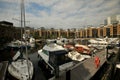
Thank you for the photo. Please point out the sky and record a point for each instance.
(59, 13)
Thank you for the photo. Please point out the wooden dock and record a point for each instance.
(86, 69)
(3, 70)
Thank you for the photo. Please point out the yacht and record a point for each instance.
(74, 55)
(19, 44)
(55, 56)
(98, 43)
(82, 49)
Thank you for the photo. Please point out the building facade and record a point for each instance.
(112, 19)
(100, 32)
(106, 31)
(113, 30)
(110, 28)
(118, 30)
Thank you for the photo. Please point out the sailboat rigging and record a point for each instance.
(21, 68)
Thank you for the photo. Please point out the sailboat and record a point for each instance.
(21, 68)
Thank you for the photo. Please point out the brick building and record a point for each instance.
(100, 32)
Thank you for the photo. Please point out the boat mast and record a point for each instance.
(24, 24)
(21, 21)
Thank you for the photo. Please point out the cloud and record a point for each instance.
(43, 2)
(60, 13)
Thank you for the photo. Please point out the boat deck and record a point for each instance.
(86, 69)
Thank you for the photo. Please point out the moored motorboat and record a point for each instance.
(74, 55)
(82, 49)
(98, 43)
(19, 44)
(55, 56)
(69, 47)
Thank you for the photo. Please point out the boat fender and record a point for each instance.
(97, 61)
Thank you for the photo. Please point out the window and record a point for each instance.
(46, 52)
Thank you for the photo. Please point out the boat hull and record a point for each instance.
(21, 70)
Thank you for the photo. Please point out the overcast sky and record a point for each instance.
(60, 13)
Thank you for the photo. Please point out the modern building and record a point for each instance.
(113, 30)
(112, 19)
(106, 31)
(77, 33)
(118, 18)
(100, 32)
(118, 30)
(106, 22)
(110, 28)
(80, 33)
(92, 32)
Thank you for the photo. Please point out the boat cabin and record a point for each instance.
(57, 58)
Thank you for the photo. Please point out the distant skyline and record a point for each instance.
(60, 13)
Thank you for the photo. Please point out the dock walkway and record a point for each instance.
(3, 69)
(86, 69)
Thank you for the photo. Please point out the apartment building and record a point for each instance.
(106, 31)
(100, 32)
